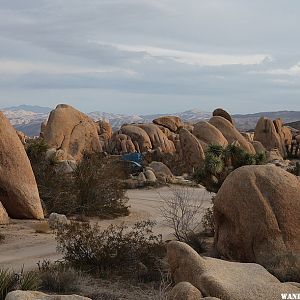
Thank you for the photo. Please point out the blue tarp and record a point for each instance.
(134, 157)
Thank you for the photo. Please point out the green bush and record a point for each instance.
(134, 251)
(95, 188)
(219, 162)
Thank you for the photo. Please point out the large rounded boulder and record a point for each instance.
(72, 131)
(257, 214)
(173, 123)
(209, 134)
(231, 134)
(266, 133)
(158, 138)
(192, 151)
(223, 113)
(138, 136)
(18, 189)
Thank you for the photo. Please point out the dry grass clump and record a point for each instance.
(42, 227)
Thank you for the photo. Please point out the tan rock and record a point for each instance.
(22, 136)
(256, 214)
(192, 151)
(4, 218)
(72, 131)
(258, 146)
(161, 171)
(231, 133)
(171, 122)
(138, 136)
(30, 295)
(158, 138)
(265, 132)
(249, 136)
(222, 113)
(120, 143)
(209, 134)
(105, 131)
(184, 291)
(18, 189)
(223, 279)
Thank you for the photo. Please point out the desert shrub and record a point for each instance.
(208, 222)
(94, 189)
(134, 251)
(58, 277)
(219, 162)
(181, 212)
(7, 282)
(100, 187)
(285, 267)
(28, 281)
(36, 148)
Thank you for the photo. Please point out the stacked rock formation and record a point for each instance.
(19, 196)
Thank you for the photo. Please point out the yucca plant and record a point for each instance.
(29, 281)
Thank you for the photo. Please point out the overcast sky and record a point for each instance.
(149, 56)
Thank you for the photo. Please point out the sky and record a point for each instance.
(151, 56)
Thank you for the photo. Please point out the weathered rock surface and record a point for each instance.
(4, 218)
(138, 136)
(258, 146)
(161, 171)
(257, 214)
(120, 143)
(220, 112)
(209, 134)
(158, 138)
(192, 151)
(105, 133)
(72, 131)
(266, 133)
(184, 291)
(223, 279)
(231, 133)
(173, 123)
(29, 295)
(18, 189)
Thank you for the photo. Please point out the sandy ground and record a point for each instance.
(24, 247)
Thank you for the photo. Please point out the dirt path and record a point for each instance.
(24, 247)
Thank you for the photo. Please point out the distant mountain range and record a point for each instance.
(28, 119)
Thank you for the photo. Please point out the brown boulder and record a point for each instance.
(158, 138)
(257, 214)
(105, 133)
(184, 291)
(138, 136)
(161, 171)
(18, 189)
(4, 218)
(120, 144)
(231, 133)
(72, 131)
(209, 134)
(266, 133)
(171, 122)
(192, 151)
(223, 279)
(222, 113)
(258, 146)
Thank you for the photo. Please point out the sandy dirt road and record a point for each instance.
(24, 247)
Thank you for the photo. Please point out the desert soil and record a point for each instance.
(23, 247)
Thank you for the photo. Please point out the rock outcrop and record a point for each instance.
(30, 295)
(138, 136)
(209, 134)
(192, 151)
(18, 189)
(173, 123)
(4, 218)
(222, 113)
(258, 146)
(120, 144)
(257, 214)
(72, 131)
(105, 132)
(161, 171)
(270, 134)
(223, 279)
(158, 138)
(231, 133)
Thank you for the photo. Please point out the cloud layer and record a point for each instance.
(142, 56)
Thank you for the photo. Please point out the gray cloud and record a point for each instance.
(242, 55)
